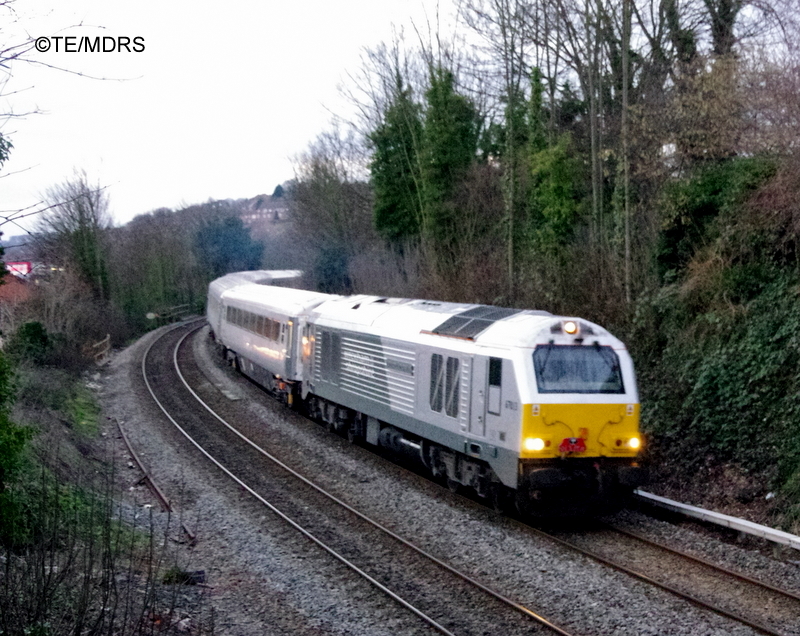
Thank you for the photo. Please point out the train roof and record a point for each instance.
(285, 300)
(429, 321)
(259, 277)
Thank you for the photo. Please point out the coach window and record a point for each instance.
(495, 385)
(452, 387)
(437, 382)
(229, 314)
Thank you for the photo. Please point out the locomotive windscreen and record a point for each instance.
(577, 369)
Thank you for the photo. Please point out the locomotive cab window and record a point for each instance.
(495, 385)
(577, 369)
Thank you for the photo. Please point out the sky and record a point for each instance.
(222, 98)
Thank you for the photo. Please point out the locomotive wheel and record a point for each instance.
(357, 429)
(453, 485)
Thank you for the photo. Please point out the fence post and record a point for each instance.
(104, 346)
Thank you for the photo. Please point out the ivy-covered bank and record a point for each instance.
(718, 343)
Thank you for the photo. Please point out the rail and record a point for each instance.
(170, 314)
(152, 485)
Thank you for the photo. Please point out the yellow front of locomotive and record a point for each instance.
(580, 434)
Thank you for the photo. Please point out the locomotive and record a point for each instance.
(528, 409)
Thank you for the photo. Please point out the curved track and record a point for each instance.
(446, 600)
(760, 605)
(353, 539)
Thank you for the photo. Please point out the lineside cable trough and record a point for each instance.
(740, 525)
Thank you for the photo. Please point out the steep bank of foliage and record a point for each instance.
(77, 557)
(717, 344)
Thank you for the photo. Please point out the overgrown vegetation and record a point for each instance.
(717, 343)
(77, 556)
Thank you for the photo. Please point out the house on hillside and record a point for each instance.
(264, 209)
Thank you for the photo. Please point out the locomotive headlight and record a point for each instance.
(634, 443)
(533, 444)
(571, 327)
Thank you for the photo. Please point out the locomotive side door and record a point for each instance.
(477, 411)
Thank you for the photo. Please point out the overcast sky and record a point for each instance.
(220, 100)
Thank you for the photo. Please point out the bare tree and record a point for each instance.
(504, 24)
(71, 232)
(331, 208)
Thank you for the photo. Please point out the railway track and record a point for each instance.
(409, 580)
(764, 607)
(446, 600)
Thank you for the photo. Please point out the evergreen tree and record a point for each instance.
(450, 140)
(557, 192)
(225, 245)
(395, 168)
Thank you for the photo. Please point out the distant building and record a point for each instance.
(20, 269)
(14, 290)
(264, 209)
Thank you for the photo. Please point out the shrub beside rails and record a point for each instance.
(526, 408)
